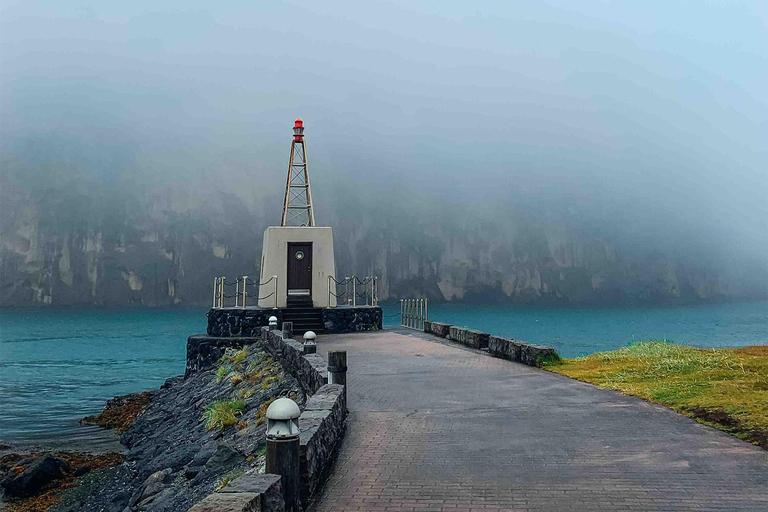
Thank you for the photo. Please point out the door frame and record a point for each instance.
(289, 255)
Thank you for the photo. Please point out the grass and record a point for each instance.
(230, 362)
(725, 388)
(261, 416)
(222, 371)
(228, 478)
(266, 370)
(223, 414)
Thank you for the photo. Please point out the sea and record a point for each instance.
(58, 365)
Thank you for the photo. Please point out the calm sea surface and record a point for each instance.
(57, 366)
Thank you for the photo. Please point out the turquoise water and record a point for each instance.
(577, 332)
(57, 366)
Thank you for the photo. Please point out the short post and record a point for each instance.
(329, 291)
(237, 291)
(310, 345)
(354, 291)
(273, 323)
(245, 283)
(287, 330)
(337, 369)
(222, 282)
(283, 449)
(402, 320)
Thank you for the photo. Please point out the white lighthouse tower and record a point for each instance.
(298, 254)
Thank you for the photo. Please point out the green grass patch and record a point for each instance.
(239, 356)
(223, 414)
(726, 388)
(222, 371)
(265, 369)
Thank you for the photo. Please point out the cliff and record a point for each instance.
(69, 237)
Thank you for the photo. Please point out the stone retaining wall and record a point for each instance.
(349, 319)
(322, 429)
(505, 348)
(251, 492)
(204, 351)
(226, 322)
(238, 322)
(311, 370)
(324, 417)
(437, 328)
(468, 337)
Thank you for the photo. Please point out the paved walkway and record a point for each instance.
(437, 427)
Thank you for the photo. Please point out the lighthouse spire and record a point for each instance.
(297, 206)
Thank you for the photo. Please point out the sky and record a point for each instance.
(659, 109)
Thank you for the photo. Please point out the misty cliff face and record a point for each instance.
(75, 240)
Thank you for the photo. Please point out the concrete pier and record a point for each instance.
(435, 426)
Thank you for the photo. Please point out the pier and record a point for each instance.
(437, 426)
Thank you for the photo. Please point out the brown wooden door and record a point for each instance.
(300, 268)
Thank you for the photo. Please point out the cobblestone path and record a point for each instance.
(437, 427)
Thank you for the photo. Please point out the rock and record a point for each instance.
(223, 459)
(153, 485)
(82, 470)
(28, 476)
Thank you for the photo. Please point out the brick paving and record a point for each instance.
(437, 427)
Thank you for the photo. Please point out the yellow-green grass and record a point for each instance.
(726, 388)
(220, 415)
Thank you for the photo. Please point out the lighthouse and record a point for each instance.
(298, 253)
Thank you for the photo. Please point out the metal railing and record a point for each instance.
(222, 291)
(414, 312)
(351, 294)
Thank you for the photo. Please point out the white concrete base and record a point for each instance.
(274, 262)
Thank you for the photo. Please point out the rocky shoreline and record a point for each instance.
(183, 441)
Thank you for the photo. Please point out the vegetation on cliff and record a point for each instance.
(726, 388)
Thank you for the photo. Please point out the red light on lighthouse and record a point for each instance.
(298, 129)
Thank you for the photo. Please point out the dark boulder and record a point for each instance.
(28, 476)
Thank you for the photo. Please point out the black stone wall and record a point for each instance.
(230, 322)
(204, 351)
(352, 319)
(226, 322)
(505, 348)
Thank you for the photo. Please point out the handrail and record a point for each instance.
(414, 313)
(350, 295)
(370, 293)
(241, 293)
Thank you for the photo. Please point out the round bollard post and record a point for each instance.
(273, 323)
(310, 345)
(283, 449)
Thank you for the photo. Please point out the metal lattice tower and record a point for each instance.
(297, 207)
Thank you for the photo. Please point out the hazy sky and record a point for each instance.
(658, 106)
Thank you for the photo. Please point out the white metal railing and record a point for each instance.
(223, 292)
(352, 296)
(414, 312)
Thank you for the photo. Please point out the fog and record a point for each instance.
(641, 122)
